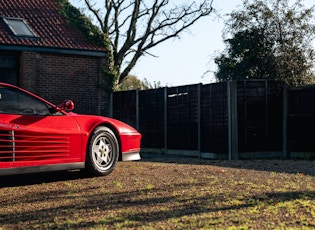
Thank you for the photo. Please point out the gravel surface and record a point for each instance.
(165, 192)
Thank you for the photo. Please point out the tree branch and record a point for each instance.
(136, 26)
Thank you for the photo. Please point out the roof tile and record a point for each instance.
(50, 27)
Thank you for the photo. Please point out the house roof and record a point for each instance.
(44, 19)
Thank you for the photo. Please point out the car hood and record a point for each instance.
(89, 122)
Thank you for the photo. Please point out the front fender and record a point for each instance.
(129, 138)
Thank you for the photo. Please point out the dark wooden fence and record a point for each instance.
(228, 120)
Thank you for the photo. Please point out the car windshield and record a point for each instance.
(14, 101)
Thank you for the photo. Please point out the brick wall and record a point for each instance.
(57, 77)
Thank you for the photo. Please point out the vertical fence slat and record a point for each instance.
(165, 120)
(285, 152)
(199, 119)
(232, 120)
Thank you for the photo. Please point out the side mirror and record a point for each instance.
(67, 105)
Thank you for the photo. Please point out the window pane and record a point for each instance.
(16, 102)
(19, 27)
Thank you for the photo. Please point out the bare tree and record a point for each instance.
(133, 27)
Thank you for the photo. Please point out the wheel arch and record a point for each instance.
(113, 129)
(101, 166)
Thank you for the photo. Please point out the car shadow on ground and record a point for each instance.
(39, 178)
(306, 167)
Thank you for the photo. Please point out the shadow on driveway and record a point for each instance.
(306, 167)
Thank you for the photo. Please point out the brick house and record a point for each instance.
(41, 52)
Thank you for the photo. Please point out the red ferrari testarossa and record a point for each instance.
(38, 136)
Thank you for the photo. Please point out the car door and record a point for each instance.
(40, 134)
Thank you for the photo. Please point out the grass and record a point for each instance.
(173, 194)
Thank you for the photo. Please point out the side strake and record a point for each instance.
(6, 146)
(39, 140)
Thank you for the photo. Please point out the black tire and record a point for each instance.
(103, 152)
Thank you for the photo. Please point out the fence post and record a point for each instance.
(232, 120)
(165, 120)
(137, 110)
(285, 152)
(199, 119)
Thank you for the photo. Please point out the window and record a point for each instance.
(16, 102)
(8, 69)
(19, 27)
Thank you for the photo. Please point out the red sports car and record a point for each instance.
(38, 136)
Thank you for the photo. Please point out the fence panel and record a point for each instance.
(125, 107)
(214, 118)
(151, 117)
(182, 117)
(259, 106)
(301, 119)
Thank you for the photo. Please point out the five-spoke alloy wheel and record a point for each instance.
(103, 152)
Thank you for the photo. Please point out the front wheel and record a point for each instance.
(102, 152)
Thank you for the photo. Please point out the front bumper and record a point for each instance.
(131, 156)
